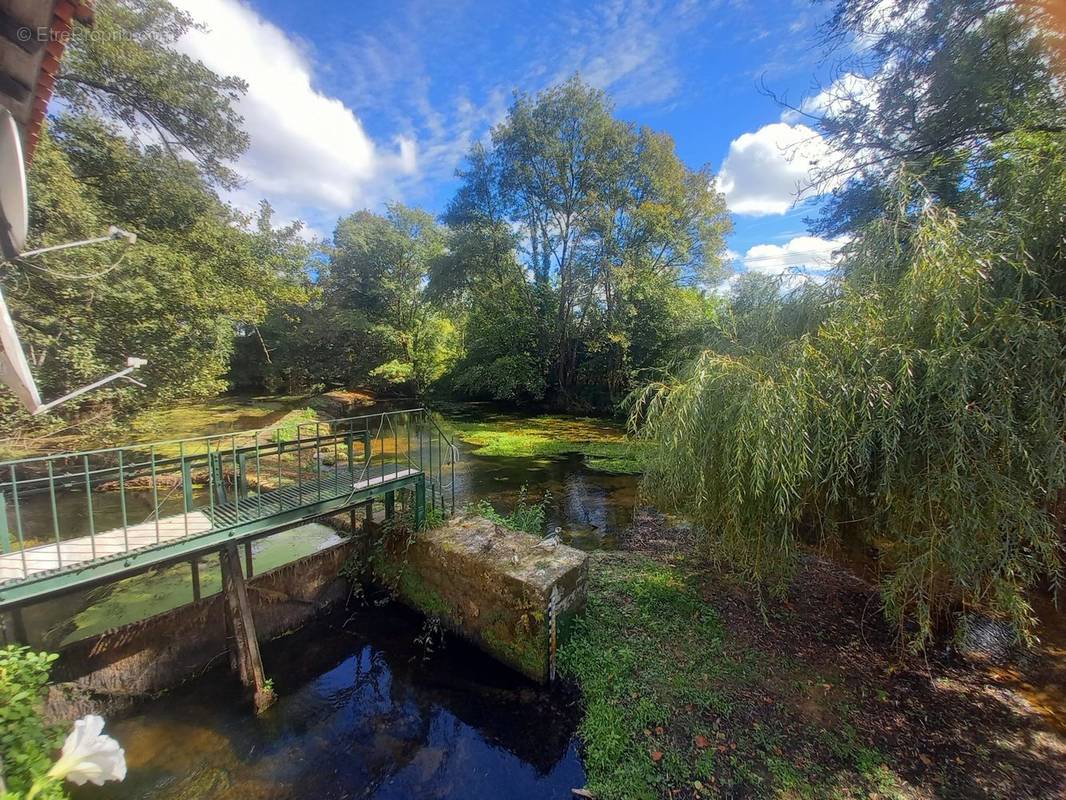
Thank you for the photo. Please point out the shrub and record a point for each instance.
(26, 743)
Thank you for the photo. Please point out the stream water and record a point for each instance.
(363, 711)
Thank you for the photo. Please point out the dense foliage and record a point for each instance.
(913, 406)
(26, 743)
(571, 258)
(118, 154)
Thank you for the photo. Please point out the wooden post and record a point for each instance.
(390, 505)
(369, 520)
(248, 571)
(195, 565)
(19, 625)
(245, 645)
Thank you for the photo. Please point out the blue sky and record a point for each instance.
(357, 104)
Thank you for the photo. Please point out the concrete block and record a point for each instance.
(491, 585)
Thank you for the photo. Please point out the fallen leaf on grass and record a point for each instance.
(702, 743)
(656, 756)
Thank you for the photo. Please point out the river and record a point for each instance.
(363, 710)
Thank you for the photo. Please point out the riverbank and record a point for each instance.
(689, 692)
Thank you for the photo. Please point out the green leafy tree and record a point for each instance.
(914, 405)
(603, 207)
(375, 279)
(126, 69)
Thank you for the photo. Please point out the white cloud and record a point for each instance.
(306, 148)
(802, 254)
(627, 47)
(847, 91)
(765, 172)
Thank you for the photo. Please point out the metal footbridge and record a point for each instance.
(76, 519)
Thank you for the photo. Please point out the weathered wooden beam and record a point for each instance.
(195, 565)
(244, 645)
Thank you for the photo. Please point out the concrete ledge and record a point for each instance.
(160, 652)
(491, 585)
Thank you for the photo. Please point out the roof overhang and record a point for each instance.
(33, 35)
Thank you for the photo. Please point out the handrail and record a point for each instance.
(133, 469)
(408, 447)
(453, 457)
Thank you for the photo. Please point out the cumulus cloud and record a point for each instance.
(806, 254)
(306, 148)
(765, 172)
(847, 91)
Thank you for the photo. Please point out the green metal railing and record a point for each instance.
(103, 505)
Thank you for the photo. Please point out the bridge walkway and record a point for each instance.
(215, 491)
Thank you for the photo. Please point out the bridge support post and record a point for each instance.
(368, 521)
(390, 505)
(244, 648)
(420, 502)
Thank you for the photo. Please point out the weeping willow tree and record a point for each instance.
(914, 405)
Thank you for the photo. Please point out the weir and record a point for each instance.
(207, 494)
(76, 520)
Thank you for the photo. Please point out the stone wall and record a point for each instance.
(158, 653)
(491, 585)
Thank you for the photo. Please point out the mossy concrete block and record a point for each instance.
(493, 586)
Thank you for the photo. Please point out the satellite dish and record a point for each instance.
(14, 215)
(14, 219)
(14, 370)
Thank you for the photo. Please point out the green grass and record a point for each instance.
(603, 443)
(215, 415)
(674, 708)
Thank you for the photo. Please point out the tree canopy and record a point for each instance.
(142, 138)
(912, 407)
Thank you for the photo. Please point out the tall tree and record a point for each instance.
(913, 406)
(927, 92)
(599, 203)
(142, 138)
(126, 69)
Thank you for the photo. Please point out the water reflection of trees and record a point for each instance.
(370, 708)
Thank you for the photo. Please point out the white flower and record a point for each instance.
(89, 755)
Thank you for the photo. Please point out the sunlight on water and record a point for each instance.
(360, 714)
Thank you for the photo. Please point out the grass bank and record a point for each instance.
(603, 443)
(690, 693)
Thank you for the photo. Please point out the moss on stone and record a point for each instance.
(412, 587)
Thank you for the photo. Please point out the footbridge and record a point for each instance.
(76, 519)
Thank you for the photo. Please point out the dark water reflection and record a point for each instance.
(360, 714)
(591, 507)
